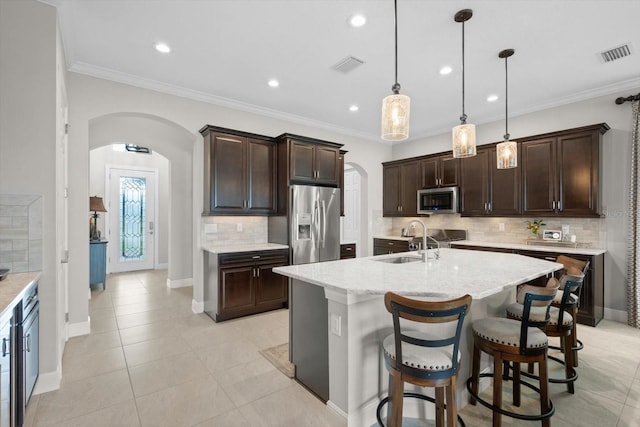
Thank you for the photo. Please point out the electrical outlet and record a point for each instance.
(336, 324)
(501, 226)
(210, 228)
(239, 228)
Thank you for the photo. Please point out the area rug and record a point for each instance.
(279, 357)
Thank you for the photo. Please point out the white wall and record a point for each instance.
(615, 172)
(103, 157)
(30, 88)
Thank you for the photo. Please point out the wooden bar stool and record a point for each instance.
(426, 359)
(570, 265)
(561, 322)
(515, 341)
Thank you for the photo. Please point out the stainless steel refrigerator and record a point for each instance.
(314, 224)
(312, 230)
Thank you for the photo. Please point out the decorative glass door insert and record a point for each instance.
(132, 218)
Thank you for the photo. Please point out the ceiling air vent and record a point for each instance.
(348, 64)
(616, 53)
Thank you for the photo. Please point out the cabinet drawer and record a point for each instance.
(390, 243)
(347, 250)
(270, 256)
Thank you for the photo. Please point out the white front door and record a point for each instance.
(131, 212)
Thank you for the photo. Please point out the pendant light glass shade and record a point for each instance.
(395, 117)
(506, 151)
(463, 135)
(395, 108)
(464, 140)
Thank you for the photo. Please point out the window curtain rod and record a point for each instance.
(622, 100)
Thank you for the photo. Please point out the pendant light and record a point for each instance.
(464, 135)
(506, 151)
(395, 107)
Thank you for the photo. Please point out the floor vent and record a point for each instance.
(616, 53)
(348, 64)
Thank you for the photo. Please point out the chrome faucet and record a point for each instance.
(424, 238)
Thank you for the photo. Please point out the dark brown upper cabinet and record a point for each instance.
(440, 171)
(400, 188)
(239, 172)
(307, 161)
(341, 179)
(561, 173)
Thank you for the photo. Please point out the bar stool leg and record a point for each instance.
(497, 388)
(452, 406)
(574, 336)
(475, 374)
(545, 404)
(516, 384)
(396, 394)
(439, 407)
(569, 362)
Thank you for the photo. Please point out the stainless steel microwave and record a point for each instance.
(438, 200)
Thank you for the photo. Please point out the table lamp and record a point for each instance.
(96, 205)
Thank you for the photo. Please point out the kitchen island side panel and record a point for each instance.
(309, 336)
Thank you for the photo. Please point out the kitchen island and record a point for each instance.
(340, 303)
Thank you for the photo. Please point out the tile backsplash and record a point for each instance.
(21, 232)
(589, 232)
(234, 229)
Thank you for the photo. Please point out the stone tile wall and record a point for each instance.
(224, 229)
(21, 232)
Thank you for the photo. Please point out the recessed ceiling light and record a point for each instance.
(273, 83)
(354, 108)
(492, 98)
(163, 48)
(357, 20)
(446, 70)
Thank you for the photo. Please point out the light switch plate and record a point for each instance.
(210, 228)
(239, 228)
(336, 324)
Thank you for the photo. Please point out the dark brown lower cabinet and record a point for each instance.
(247, 284)
(591, 310)
(347, 250)
(389, 246)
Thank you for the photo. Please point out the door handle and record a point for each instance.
(151, 226)
(28, 343)
(4, 346)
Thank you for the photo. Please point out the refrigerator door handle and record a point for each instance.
(323, 223)
(316, 225)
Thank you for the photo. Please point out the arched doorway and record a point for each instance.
(355, 222)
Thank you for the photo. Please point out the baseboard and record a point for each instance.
(48, 381)
(78, 329)
(179, 283)
(163, 266)
(615, 315)
(197, 306)
(337, 410)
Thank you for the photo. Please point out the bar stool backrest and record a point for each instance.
(427, 312)
(571, 282)
(535, 296)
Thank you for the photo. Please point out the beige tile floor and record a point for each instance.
(149, 361)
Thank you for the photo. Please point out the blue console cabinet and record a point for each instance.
(98, 263)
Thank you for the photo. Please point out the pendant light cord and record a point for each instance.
(463, 117)
(396, 86)
(506, 99)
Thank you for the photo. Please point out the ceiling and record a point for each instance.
(225, 51)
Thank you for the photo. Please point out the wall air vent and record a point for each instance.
(616, 53)
(348, 64)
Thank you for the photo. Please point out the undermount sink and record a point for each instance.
(399, 260)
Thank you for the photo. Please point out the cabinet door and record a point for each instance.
(430, 176)
(271, 288)
(341, 180)
(409, 189)
(302, 162)
(449, 171)
(504, 188)
(228, 173)
(326, 165)
(538, 176)
(578, 157)
(236, 289)
(261, 167)
(474, 184)
(390, 186)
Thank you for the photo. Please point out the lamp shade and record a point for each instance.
(464, 140)
(395, 117)
(507, 154)
(96, 204)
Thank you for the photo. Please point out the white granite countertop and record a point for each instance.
(12, 288)
(456, 273)
(242, 247)
(540, 248)
(395, 237)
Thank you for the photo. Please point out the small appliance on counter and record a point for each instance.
(3, 273)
